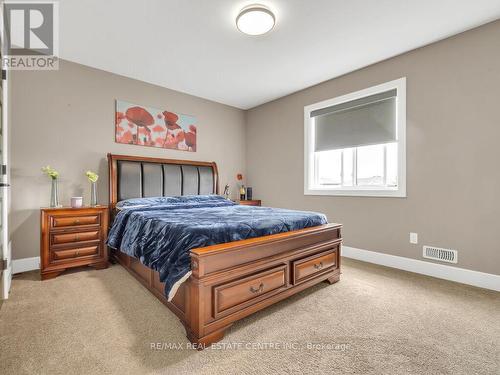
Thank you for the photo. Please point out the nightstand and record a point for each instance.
(72, 237)
(252, 202)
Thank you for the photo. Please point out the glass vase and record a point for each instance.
(93, 194)
(54, 196)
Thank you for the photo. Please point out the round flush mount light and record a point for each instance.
(255, 19)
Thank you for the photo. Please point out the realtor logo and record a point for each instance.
(30, 35)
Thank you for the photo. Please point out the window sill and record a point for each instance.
(387, 193)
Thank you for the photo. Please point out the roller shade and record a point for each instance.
(365, 121)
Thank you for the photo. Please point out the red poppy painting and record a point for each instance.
(146, 126)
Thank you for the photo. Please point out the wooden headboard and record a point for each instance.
(139, 177)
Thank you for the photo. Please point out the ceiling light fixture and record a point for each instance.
(255, 19)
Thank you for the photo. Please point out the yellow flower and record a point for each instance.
(92, 176)
(51, 172)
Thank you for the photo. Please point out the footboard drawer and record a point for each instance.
(243, 292)
(306, 268)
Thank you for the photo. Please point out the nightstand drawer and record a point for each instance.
(62, 238)
(69, 221)
(76, 253)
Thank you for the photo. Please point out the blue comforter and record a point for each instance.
(160, 232)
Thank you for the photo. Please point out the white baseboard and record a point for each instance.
(25, 264)
(441, 271)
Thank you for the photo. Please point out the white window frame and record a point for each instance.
(361, 191)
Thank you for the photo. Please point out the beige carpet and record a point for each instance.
(376, 320)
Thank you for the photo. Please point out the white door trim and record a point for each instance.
(7, 272)
(5, 207)
(441, 271)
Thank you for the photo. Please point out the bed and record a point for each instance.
(211, 275)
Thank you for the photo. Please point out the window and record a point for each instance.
(355, 144)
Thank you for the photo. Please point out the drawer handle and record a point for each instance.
(260, 289)
(76, 222)
(77, 253)
(318, 266)
(77, 238)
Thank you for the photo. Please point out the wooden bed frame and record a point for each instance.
(233, 280)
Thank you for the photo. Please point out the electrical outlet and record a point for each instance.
(414, 238)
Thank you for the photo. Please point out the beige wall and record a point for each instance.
(453, 153)
(65, 118)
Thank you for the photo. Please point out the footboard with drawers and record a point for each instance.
(233, 280)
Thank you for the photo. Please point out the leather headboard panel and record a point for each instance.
(172, 180)
(129, 180)
(206, 180)
(152, 180)
(190, 184)
(138, 179)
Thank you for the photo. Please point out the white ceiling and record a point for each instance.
(193, 46)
